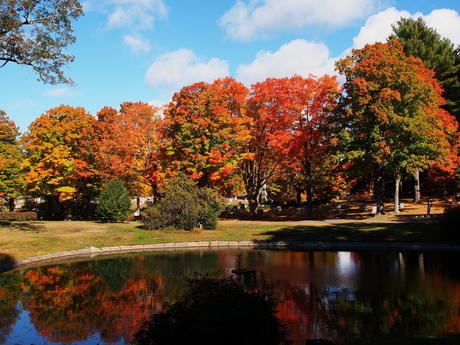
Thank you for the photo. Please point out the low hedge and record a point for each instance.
(18, 216)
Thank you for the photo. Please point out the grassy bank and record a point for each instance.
(25, 239)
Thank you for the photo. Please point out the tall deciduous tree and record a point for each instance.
(391, 114)
(438, 54)
(310, 106)
(11, 181)
(205, 128)
(60, 156)
(289, 133)
(36, 32)
(128, 146)
(261, 160)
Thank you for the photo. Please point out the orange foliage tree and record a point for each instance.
(60, 157)
(205, 128)
(391, 115)
(128, 146)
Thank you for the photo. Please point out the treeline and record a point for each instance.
(292, 136)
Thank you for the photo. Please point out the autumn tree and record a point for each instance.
(35, 33)
(308, 107)
(129, 147)
(437, 53)
(60, 157)
(289, 134)
(261, 160)
(10, 160)
(205, 128)
(391, 115)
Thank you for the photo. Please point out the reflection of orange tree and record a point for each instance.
(70, 303)
(63, 303)
(122, 314)
(303, 312)
(10, 290)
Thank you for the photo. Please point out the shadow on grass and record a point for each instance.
(387, 232)
(7, 262)
(22, 226)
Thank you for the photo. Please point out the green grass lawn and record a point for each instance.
(25, 239)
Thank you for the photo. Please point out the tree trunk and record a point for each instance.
(417, 186)
(397, 183)
(68, 210)
(379, 190)
(253, 196)
(253, 204)
(11, 204)
(298, 196)
(138, 202)
(309, 192)
(309, 206)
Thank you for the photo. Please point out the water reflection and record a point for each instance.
(346, 297)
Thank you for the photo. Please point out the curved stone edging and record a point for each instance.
(345, 246)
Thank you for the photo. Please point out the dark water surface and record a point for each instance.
(362, 296)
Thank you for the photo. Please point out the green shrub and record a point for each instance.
(114, 202)
(184, 206)
(18, 216)
(210, 206)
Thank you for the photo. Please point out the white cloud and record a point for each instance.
(157, 103)
(60, 92)
(139, 14)
(137, 43)
(304, 57)
(446, 22)
(378, 27)
(259, 18)
(296, 57)
(173, 70)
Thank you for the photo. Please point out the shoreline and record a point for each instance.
(91, 252)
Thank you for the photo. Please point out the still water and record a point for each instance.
(328, 295)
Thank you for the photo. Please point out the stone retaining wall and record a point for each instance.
(343, 246)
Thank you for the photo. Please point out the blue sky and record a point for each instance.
(144, 50)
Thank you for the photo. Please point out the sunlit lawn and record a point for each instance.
(25, 239)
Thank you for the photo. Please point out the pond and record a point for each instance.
(340, 296)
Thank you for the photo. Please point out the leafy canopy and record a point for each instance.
(35, 33)
(10, 158)
(128, 144)
(60, 157)
(205, 130)
(391, 111)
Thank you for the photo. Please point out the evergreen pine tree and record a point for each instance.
(114, 202)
